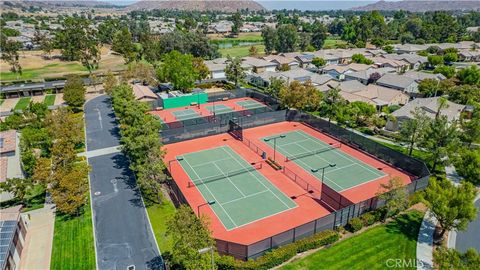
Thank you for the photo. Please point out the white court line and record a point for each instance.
(229, 180)
(361, 163)
(225, 211)
(256, 178)
(205, 163)
(251, 195)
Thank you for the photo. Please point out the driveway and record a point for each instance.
(470, 238)
(123, 234)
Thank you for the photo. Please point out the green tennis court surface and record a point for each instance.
(241, 194)
(311, 153)
(250, 104)
(186, 114)
(218, 109)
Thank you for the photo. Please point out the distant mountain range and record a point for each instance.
(199, 5)
(422, 5)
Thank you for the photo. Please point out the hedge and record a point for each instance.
(279, 255)
(355, 225)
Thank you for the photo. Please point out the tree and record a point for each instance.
(151, 173)
(471, 128)
(319, 35)
(78, 41)
(17, 186)
(301, 96)
(287, 38)
(141, 71)
(42, 172)
(440, 135)
(46, 44)
(435, 60)
(464, 94)
(234, 70)
(395, 196)
(70, 187)
(388, 48)
(450, 57)
(332, 102)
(253, 51)
(412, 130)
(200, 68)
(318, 62)
(276, 84)
(122, 43)
(446, 71)
(374, 77)
(428, 87)
(74, 91)
(237, 23)
(304, 41)
(452, 206)
(467, 165)
(269, 35)
(284, 67)
(9, 54)
(189, 234)
(452, 259)
(110, 82)
(361, 59)
(178, 69)
(470, 75)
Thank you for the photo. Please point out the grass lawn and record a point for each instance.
(50, 70)
(49, 100)
(241, 36)
(370, 249)
(22, 103)
(332, 43)
(159, 214)
(73, 246)
(241, 51)
(34, 199)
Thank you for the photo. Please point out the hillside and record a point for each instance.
(199, 5)
(422, 5)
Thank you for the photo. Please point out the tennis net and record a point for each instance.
(224, 175)
(315, 152)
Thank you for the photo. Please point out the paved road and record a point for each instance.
(123, 234)
(471, 237)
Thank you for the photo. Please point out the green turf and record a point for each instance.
(22, 103)
(186, 114)
(49, 100)
(219, 108)
(34, 199)
(370, 249)
(348, 171)
(241, 51)
(44, 71)
(159, 215)
(73, 246)
(240, 198)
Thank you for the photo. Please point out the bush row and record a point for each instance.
(279, 255)
(367, 219)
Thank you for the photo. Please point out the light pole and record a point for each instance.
(205, 250)
(274, 143)
(323, 169)
(203, 204)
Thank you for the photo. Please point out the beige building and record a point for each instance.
(13, 231)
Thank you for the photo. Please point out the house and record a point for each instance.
(399, 82)
(9, 157)
(339, 71)
(414, 60)
(409, 48)
(398, 65)
(427, 105)
(469, 55)
(143, 93)
(420, 76)
(13, 231)
(260, 65)
(304, 59)
(364, 75)
(373, 94)
(301, 75)
(282, 60)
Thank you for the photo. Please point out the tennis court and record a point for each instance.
(186, 114)
(341, 171)
(218, 109)
(250, 104)
(241, 195)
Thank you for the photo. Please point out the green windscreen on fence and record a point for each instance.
(187, 100)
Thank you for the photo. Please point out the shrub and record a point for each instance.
(355, 224)
(279, 255)
(366, 130)
(368, 219)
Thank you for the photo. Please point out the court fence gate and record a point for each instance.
(339, 217)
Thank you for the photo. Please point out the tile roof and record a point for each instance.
(7, 141)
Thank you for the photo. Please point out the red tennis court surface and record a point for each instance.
(248, 239)
(168, 115)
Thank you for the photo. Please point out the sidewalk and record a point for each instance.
(37, 251)
(425, 242)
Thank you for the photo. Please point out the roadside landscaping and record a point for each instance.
(397, 240)
(73, 246)
(49, 100)
(22, 103)
(159, 214)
